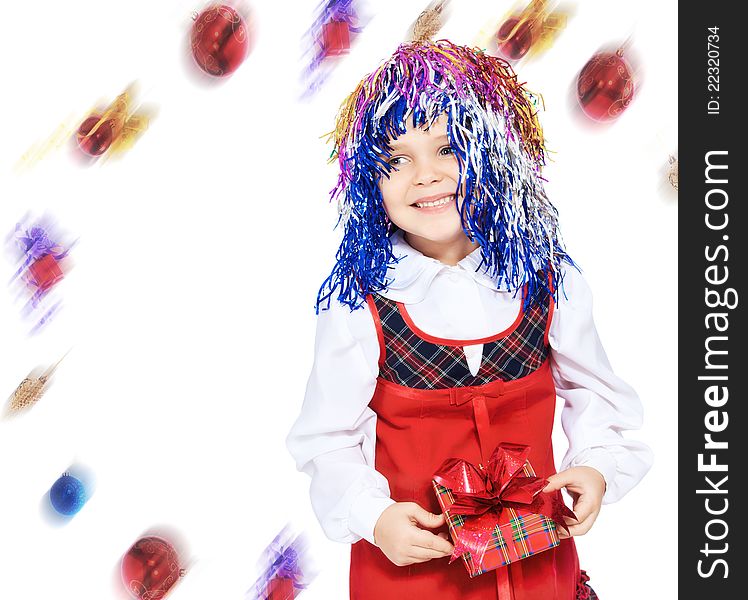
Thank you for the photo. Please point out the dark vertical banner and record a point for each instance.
(713, 368)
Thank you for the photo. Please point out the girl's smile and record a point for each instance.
(436, 203)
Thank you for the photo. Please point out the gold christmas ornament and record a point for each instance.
(429, 22)
(30, 390)
(26, 394)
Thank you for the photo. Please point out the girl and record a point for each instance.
(451, 321)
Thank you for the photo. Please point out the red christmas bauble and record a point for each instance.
(514, 45)
(605, 86)
(98, 142)
(150, 568)
(220, 40)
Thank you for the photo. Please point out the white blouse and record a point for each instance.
(334, 437)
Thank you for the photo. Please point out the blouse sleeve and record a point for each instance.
(598, 405)
(334, 437)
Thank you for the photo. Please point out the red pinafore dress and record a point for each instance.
(429, 408)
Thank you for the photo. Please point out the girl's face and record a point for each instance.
(419, 196)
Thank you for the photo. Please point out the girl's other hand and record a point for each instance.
(401, 533)
(586, 487)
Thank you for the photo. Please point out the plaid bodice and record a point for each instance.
(414, 359)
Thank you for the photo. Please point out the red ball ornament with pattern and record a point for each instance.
(150, 568)
(219, 40)
(605, 86)
(514, 38)
(95, 143)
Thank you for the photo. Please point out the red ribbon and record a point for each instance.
(482, 493)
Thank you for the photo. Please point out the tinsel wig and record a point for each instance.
(494, 131)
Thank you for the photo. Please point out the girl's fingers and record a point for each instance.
(558, 481)
(424, 518)
(580, 529)
(429, 541)
(583, 508)
(584, 525)
(418, 554)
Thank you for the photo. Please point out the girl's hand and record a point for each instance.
(401, 534)
(586, 486)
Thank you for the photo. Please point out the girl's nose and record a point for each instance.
(426, 173)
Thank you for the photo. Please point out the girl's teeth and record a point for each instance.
(435, 203)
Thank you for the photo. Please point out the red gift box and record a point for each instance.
(498, 514)
(44, 272)
(336, 39)
(280, 588)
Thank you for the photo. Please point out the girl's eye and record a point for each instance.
(396, 161)
(446, 151)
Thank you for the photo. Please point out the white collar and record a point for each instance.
(411, 278)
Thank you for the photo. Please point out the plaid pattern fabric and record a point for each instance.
(584, 591)
(516, 535)
(414, 362)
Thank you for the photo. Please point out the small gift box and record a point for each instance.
(498, 514)
(44, 272)
(280, 588)
(336, 39)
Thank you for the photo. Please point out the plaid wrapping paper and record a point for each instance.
(517, 534)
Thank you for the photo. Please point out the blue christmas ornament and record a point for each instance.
(67, 495)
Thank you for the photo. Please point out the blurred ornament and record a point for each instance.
(113, 130)
(515, 38)
(280, 588)
(44, 272)
(30, 390)
(41, 268)
(150, 568)
(605, 86)
(219, 40)
(285, 573)
(36, 243)
(429, 22)
(94, 135)
(535, 28)
(67, 495)
(335, 38)
(672, 174)
(335, 27)
(338, 21)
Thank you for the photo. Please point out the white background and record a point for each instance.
(189, 310)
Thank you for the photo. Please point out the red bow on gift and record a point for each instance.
(482, 493)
